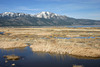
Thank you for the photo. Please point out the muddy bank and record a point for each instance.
(11, 44)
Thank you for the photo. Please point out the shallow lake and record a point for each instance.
(38, 59)
(76, 26)
(73, 26)
(74, 37)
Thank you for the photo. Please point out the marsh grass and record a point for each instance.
(12, 44)
(43, 39)
(64, 47)
(78, 66)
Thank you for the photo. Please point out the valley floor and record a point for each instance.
(83, 42)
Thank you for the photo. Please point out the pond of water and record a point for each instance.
(74, 37)
(37, 59)
(84, 26)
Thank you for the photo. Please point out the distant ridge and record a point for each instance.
(41, 19)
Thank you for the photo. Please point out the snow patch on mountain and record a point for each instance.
(11, 14)
(46, 15)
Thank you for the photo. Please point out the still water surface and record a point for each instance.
(77, 26)
(37, 59)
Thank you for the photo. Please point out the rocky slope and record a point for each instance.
(41, 19)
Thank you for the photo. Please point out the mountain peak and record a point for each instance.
(11, 14)
(8, 13)
(48, 19)
(46, 15)
(46, 12)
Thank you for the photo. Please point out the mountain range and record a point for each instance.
(42, 19)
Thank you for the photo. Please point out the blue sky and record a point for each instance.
(88, 9)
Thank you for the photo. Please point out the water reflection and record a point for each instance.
(12, 51)
(41, 59)
(84, 26)
(62, 56)
(59, 57)
(75, 37)
(88, 58)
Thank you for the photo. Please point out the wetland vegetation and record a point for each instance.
(54, 40)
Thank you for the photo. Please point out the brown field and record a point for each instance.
(44, 40)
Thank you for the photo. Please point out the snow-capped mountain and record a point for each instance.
(49, 15)
(11, 14)
(45, 15)
(41, 19)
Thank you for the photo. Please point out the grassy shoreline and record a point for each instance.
(53, 46)
(43, 39)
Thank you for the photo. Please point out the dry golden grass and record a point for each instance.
(78, 66)
(56, 46)
(12, 57)
(12, 44)
(42, 39)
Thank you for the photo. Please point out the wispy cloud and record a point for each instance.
(21, 9)
(89, 1)
(73, 1)
(27, 9)
(50, 0)
(74, 8)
